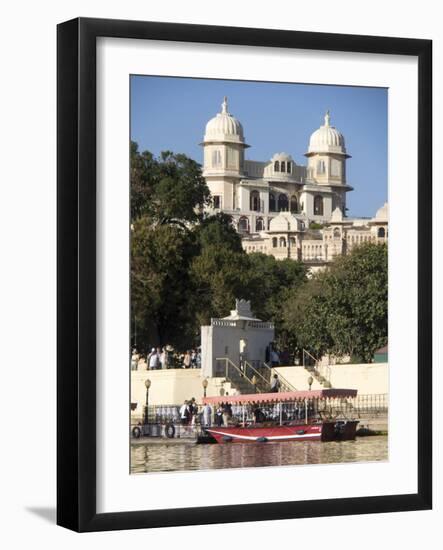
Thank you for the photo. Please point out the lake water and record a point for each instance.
(166, 456)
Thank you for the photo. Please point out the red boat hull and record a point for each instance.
(326, 431)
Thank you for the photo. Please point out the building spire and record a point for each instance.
(327, 118)
(225, 105)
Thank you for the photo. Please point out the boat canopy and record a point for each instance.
(280, 397)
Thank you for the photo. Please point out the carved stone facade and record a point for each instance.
(274, 203)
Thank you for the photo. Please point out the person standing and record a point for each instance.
(154, 360)
(207, 414)
(135, 359)
(187, 360)
(219, 416)
(184, 414)
(275, 384)
(164, 359)
(275, 359)
(227, 413)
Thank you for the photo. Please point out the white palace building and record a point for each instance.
(282, 208)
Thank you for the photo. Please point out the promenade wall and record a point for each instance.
(171, 386)
(367, 378)
(175, 385)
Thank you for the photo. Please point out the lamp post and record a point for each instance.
(148, 385)
(205, 385)
(310, 381)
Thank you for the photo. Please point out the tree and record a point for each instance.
(160, 283)
(170, 189)
(343, 311)
(272, 281)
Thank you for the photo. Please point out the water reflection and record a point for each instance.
(164, 456)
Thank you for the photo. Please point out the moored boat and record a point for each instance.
(319, 415)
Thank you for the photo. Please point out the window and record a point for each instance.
(283, 203)
(336, 233)
(271, 202)
(381, 233)
(216, 158)
(254, 201)
(217, 201)
(274, 242)
(335, 167)
(318, 205)
(294, 204)
(259, 224)
(283, 166)
(282, 242)
(321, 167)
(288, 167)
(243, 224)
(276, 166)
(232, 158)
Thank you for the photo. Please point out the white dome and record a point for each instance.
(282, 156)
(284, 221)
(327, 139)
(382, 213)
(224, 127)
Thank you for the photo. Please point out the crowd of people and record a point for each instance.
(190, 414)
(166, 358)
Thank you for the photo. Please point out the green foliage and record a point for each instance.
(271, 282)
(187, 266)
(316, 225)
(167, 190)
(160, 282)
(343, 311)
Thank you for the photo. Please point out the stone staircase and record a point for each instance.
(314, 371)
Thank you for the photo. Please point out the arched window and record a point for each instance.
(254, 201)
(381, 233)
(336, 233)
(292, 241)
(282, 203)
(288, 166)
(216, 158)
(274, 242)
(318, 205)
(283, 166)
(243, 224)
(294, 204)
(276, 166)
(259, 224)
(282, 242)
(271, 202)
(321, 167)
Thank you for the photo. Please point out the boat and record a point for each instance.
(317, 415)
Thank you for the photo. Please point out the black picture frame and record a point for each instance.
(76, 264)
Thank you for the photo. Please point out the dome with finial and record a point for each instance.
(382, 213)
(327, 139)
(224, 127)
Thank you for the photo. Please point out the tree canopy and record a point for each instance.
(343, 310)
(188, 266)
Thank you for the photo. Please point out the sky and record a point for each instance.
(170, 113)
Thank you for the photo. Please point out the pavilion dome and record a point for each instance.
(327, 139)
(282, 156)
(382, 213)
(284, 221)
(224, 127)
